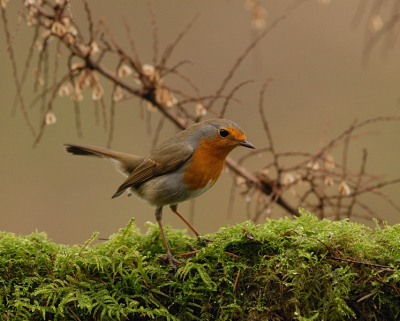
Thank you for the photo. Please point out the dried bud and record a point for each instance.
(94, 48)
(329, 162)
(124, 71)
(313, 165)
(77, 96)
(165, 97)
(72, 30)
(151, 73)
(375, 23)
(288, 179)
(97, 92)
(83, 48)
(328, 181)
(138, 81)
(117, 96)
(148, 70)
(69, 39)
(94, 77)
(46, 33)
(48, 22)
(4, 3)
(344, 189)
(239, 180)
(50, 118)
(77, 65)
(65, 21)
(37, 45)
(32, 11)
(259, 17)
(151, 108)
(250, 4)
(30, 21)
(264, 172)
(40, 81)
(38, 2)
(83, 81)
(64, 90)
(58, 28)
(200, 110)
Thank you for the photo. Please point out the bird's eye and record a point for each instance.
(223, 132)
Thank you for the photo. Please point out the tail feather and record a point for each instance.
(123, 162)
(84, 150)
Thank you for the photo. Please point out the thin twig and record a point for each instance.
(167, 53)
(157, 132)
(230, 95)
(154, 29)
(112, 119)
(236, 281)
(361, 263)
(15, 73)
(253, 44)
(360, 177)
(26, 67)
(267, 128)
(137, 64)
(344, 162)
(89, 19)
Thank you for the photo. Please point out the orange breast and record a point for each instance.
(206, 164)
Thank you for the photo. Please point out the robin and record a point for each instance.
(180, 169)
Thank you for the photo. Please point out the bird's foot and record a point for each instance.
(204, 240)
(172, 261)
(190, 246)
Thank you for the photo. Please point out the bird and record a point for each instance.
(182, 168)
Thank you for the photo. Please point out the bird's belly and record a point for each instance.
(167, 189)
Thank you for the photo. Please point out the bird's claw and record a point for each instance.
(204, 240)
(171, 260)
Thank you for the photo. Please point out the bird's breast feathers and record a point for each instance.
(204, 168)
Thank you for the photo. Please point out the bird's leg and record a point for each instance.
(173, 261)
(174, 208)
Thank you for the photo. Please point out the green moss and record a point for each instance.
(280, 270)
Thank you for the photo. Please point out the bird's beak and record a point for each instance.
(245, 143)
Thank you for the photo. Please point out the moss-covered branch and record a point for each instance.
(280, 270)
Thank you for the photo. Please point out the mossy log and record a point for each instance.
(300, 269)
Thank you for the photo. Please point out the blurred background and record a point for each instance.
(314, 57)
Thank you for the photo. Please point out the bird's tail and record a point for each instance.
(86, 150)
(123, 162)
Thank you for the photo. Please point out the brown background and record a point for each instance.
(313, 56)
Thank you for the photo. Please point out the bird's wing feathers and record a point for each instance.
(160, 162)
